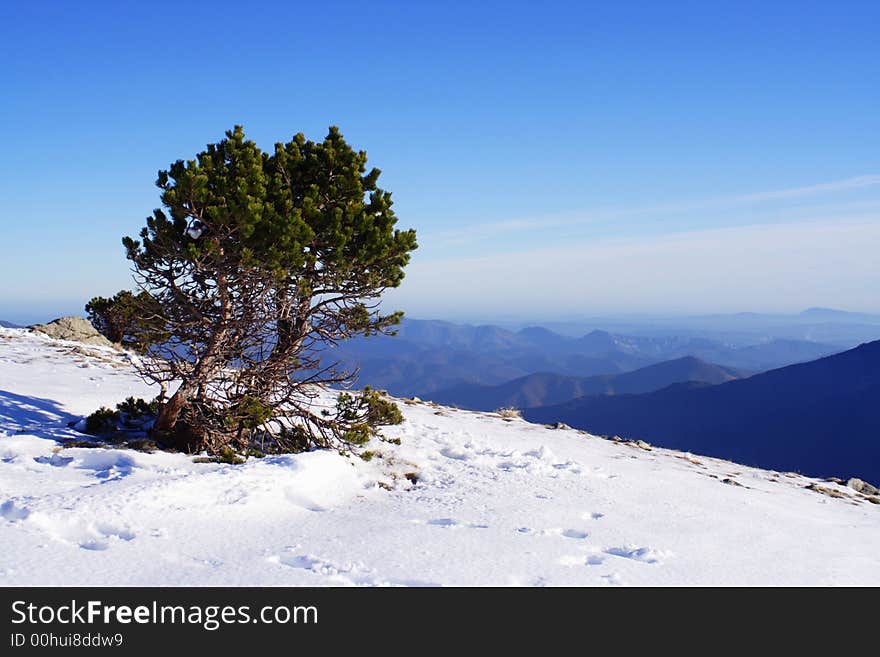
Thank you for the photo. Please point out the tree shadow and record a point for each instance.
(25, 414)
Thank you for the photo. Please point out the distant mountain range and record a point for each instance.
(838, 327)
(8, 324)
(821, 418)
(547, 388)
(429, 356)
(833, 315)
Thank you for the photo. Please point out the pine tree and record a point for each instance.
(258, 264)
(127, 319)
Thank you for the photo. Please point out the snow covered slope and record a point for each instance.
(466, 499)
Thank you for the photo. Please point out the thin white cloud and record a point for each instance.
(859, 182)
(759, 267)
(463, 234)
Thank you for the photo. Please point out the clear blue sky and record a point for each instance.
(556, 158)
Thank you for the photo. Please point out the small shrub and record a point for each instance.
(137, 413)
(293, 439)
(228, 455)
(132, 418)
(363, 414)
(122, 319)
(368, 456)
(510, 413)
(82, 443)
(142, 445)
(381, 411)
(137, 408)
(251, 411)
(358, 434)
(102, 421)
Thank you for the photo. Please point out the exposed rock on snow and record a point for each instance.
(862, 487)
(75, 329)
(825, 490)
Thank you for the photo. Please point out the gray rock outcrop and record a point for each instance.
(862, 487)
(75, 329)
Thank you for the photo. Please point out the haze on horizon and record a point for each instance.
(562, 160)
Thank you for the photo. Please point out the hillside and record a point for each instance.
(820, 417)
(546, 388)
(466, 499)
(429, 356)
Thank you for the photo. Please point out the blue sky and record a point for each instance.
(556, 158)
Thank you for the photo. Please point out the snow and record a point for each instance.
(495, 502)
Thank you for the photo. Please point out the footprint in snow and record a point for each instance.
(112, 531)
(208, 561)
(56, 460)
(443, 522)
(102, 534)
(300, 561)
(92, 536)
(574, 533)
(107, 465)
(566, 533)
(12, 511)
(348, 574)
(612, 580)
(581, 560)
(450, 523)
(643, 554)
(457, 454)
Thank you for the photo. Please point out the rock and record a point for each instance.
(830, 492)
(862, 487)
(558, 425)
(643, 445)
(731, 482)
(75, 329)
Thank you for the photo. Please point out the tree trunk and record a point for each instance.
(170, 411)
